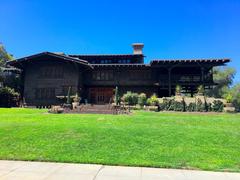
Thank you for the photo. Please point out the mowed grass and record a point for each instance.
(172, 140)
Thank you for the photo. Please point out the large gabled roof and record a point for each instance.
(83, 60)
(18, 62)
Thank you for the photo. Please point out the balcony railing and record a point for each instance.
(185, 78)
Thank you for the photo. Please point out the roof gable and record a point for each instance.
(18, 62)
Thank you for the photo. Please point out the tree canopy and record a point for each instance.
(4, 56)
(223, 76)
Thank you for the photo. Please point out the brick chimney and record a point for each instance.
(137, 48)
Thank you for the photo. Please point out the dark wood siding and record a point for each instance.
(46, 80)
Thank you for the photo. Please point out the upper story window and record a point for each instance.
(111, 61)
(102, 75)
(51, 72)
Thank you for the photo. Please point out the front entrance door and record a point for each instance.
(100, 95)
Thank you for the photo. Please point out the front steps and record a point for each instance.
(95, 109)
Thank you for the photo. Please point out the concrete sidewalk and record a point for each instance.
(23, 170)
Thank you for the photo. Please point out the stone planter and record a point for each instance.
(228, 105)
(56, 109)
(229, 109)
(75, 104)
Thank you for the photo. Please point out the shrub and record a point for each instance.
(179, 106)
(236, 104)
(153, 100)
(8, 97)
(209, 107)
(142, 99)
(200, 106)
(161, 107)
(171, 105)
(130, 98)
(166, 105)
(217, 106)
(191, 107)
(229, 98)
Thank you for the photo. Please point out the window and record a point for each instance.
(102, 75)
(51, 72)
(45, 93)
(98, 76)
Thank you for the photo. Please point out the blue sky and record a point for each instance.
(169, 29)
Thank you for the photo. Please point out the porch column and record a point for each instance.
(202, 74)
(169, 82)
(202, 77)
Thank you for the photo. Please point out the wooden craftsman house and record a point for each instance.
(48, 75)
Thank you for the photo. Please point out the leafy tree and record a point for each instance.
(4, 56)
(235, 93)
(12, 80)
(223, 76)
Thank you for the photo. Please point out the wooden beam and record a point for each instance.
(169, 82)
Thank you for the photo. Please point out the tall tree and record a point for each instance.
(11, 80)
(223, 76)
(4, 56)
(235, 92)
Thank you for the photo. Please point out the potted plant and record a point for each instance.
(200, 90)
(178, 90)
(117, 98)
(76, 101)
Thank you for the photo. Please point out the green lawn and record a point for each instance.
(176, 140)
